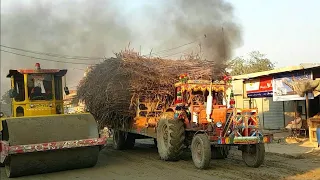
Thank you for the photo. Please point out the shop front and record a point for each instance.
(259, 92)
(274, 94)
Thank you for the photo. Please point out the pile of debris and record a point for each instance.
(110, 89)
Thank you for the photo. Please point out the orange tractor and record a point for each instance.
(199, 118)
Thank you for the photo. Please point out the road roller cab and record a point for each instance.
(38, 137)
(37, 91)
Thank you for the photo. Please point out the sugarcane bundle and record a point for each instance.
(110, 89)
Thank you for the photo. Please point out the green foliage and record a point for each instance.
(256, 62)
(6, 97)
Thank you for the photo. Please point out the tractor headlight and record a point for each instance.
(219, 124)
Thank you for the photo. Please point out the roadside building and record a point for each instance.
(73, 105)
(272, 93)
(68, 102)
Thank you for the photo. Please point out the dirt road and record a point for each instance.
(143, 163)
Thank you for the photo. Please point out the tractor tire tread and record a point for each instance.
(258, 160)
(176, 138)
(206, 151)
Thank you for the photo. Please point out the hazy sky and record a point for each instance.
(287, 31)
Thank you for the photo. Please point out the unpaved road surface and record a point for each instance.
(143, 163)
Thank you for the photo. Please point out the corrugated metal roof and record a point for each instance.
(278, 70)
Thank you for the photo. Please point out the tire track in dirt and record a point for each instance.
(231, 168)
(143, 163)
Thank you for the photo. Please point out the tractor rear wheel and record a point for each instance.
(253, 154)
(170, 137)
(201, 151)
(220, 152)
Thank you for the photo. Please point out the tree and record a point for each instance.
(256, 62)
(5, 104)
(6, 98)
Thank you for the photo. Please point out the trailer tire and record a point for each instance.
(155, 142)
(119, 141)
(201, 151)
(130, 141)
(1, 164)
(170, 137)
(253, 155)
(219, 152)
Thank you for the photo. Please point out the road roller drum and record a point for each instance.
(43, 144)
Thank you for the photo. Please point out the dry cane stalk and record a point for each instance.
(110, 89)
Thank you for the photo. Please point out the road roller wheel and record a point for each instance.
(51, 161)
(253, 154)
(170, 138)
(55, 128)
(201, 151)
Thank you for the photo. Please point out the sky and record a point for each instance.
(287, 31)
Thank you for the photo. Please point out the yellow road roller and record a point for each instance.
(38, 137)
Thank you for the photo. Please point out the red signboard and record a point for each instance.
(261, 87)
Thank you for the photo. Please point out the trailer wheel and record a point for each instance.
(119, 141)
(1, 164)
(155, 142)
(130, 141)
(220, 152)
(201, 151)
(253, 154)
(170, 137)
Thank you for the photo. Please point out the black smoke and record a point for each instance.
(100, 27)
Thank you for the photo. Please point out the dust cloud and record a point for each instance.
(99, 28)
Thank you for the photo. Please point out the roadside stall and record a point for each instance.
(312, 106)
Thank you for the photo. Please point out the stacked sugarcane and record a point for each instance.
(111, 88)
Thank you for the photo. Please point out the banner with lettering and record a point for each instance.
(259, 87)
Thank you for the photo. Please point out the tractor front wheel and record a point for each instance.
(253, 154)
(170, 137)
(201, 151)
